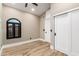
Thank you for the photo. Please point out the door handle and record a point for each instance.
(54, 34)
(50, 30)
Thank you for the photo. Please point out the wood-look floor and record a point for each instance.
(36, 48)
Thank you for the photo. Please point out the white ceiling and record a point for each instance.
(39, 10)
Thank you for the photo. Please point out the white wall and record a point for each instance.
(61, 7)
(30, 24)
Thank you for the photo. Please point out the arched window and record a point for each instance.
(13, 28)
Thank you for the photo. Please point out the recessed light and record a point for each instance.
(33, 9)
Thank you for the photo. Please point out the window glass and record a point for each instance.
(13, 28)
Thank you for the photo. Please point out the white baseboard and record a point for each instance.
(51, 46)
(19, 43)
(74, 54)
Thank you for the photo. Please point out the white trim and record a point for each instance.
(51, 46)
(19, 43)
(74, 54)
(66, 11)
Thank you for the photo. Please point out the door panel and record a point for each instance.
(75, 32)
(63, 33)
(47, 30)
(0, 34)
(0, 25)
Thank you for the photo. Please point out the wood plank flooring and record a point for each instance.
(36, 48)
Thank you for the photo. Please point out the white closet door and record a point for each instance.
(0, 34)
(47, 26)
(0, 25)
(75, 32)
(47, 30)
(63, 33)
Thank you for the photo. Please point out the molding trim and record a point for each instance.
(74, 54)
(51, 46)
(73, 9)
(19, 43)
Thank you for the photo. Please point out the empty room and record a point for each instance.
(39, 29)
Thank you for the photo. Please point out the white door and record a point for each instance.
(0, 26)
(75, 32)
(0, 34)
(63, 33)
(47, 29)
(42, 27)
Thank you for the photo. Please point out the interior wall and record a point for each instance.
(30, 24)
(0, 25)
(61, 7)
(29, 21)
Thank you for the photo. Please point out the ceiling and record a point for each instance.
(38, 10)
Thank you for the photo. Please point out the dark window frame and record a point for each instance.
(13, 28)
